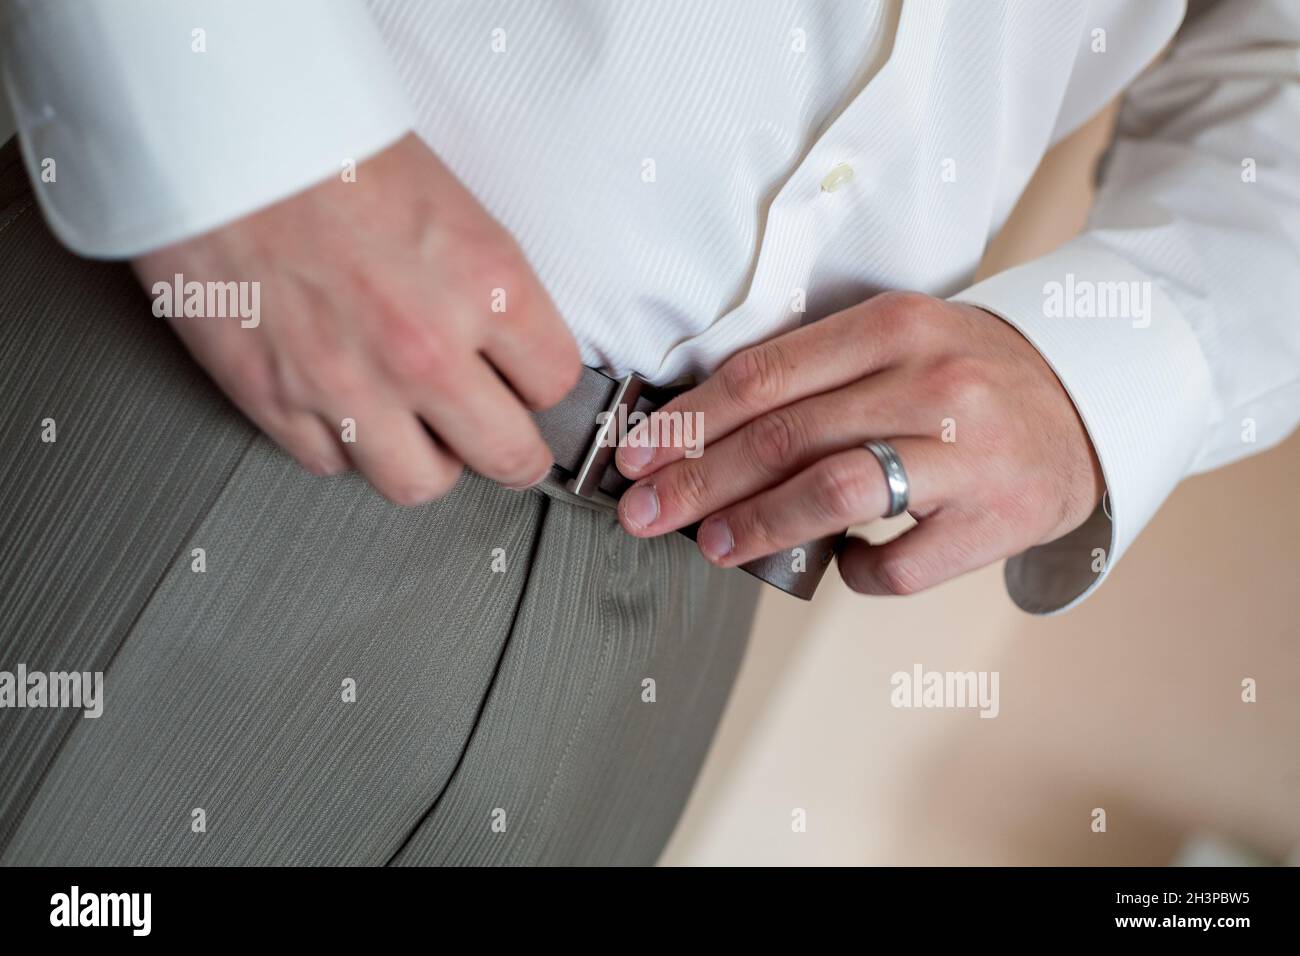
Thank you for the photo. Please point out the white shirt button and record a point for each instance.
(837, 177)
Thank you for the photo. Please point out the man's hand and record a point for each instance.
(996, 455)
(377, 306)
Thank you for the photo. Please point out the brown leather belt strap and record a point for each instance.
(584, 459)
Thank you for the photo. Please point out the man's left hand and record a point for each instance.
(995, 453)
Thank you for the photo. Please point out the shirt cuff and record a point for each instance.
(1135, 371)
(146, 123)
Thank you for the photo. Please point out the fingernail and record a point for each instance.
(635, 457)
(714, 538)
(640, 506)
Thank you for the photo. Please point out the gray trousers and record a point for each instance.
(296, 671)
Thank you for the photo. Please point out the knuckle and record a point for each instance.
(902, 315)
(413, 352)
(688, 487)
(492, 263)
(960, 383)
(755, 377)
(774, 440)
(752, 528)
(842, 490)
(901, 302)
(900, 576)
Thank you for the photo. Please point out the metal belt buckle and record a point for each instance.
(586, 481)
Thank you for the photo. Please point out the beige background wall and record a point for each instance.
(1131, 703)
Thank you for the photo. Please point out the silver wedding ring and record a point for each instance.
(895, 475)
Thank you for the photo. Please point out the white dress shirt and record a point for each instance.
(684, 174)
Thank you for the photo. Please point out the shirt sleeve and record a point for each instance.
(1172, 321)
(145, 122)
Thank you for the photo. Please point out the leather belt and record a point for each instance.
(583, 442)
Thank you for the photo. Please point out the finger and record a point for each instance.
(938, 549)
(250, 383)
(533, 349)
(313, 445)
(391, 447)
(484, 424)
(845, 489)
(816, 358)
(303, 437)
(766, 451)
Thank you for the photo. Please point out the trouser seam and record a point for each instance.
(488, 688)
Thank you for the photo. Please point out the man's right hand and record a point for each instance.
(376, 305)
